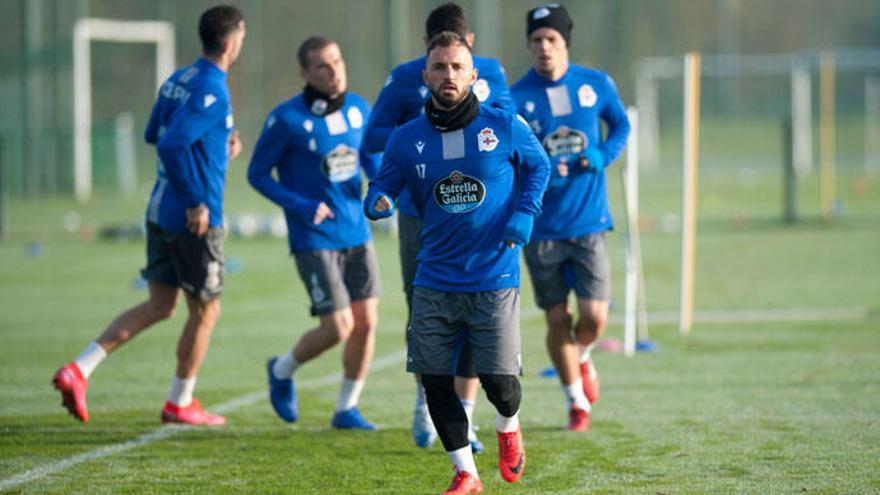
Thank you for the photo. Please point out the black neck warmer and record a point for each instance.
(319, 103)
(457, 118)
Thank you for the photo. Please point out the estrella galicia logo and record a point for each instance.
(459, 193)
(565, 141)
(341, 164)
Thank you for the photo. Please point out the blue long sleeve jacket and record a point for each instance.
(466, 185)
(404, 95)
(316, 158)
(565, 116)
(190, 126)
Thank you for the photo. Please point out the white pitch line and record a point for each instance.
(166, 431)
(745, 316)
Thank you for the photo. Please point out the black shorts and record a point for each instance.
(335, 278)
(193, 263)
(484, 326)
(557, 266)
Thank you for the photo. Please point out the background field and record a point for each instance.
(749, 407)
(775, 391)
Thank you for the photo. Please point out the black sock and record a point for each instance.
(446, 411)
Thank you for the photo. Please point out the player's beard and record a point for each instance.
(446, 102)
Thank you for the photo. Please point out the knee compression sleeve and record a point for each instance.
(503, 391)
(446, 411)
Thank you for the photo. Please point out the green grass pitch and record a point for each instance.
(751, 407)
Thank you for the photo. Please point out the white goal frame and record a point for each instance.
(86, 31)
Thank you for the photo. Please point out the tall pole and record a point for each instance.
(872, 125)
(802, 118)
(689, 190)
(827, 137)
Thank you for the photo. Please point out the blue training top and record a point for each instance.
(404, 95)
(565, 115)
(467, 185)
(317, 159)
(190, 125)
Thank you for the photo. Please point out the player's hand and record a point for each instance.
(233, 147)
(322, 213)
(383, 204)
(377, 205)
(198, 219)
(593, 159)
(518, 230)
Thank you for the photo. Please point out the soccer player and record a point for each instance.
(402, 99)
(564, 104)
(476, 176)
(192, 128)
(312, 142)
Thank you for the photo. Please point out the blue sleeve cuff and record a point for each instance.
(519, 228)
(596, 158)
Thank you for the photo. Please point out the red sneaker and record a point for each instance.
(192, 414)
(70, 381)
(464, 483)
(511, 455)
(578, 420)
(590, 378)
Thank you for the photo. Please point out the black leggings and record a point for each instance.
(449, 418)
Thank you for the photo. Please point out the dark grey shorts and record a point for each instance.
(185, 260)
(444, 322)
(557, 266)
(409, 230)
(334, 278)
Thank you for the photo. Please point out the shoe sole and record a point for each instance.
(169, 419)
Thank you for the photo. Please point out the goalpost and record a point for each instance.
(800, 68)
(86, 31)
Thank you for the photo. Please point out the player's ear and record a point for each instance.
(425, 77)
(474, 76)
(470, 39)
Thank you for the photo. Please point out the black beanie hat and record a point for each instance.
(551, 15)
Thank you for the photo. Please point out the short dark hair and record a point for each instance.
(215, 25)
(447, 17)
(311, 43)
(447, 38)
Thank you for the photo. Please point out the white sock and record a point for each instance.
(285, 366)
(349, 394)
(421, 399)
(575, 395)
(506, 425)
(587, 353)
(90, 358)
(463, 460)
(469, 412)
(181, 393)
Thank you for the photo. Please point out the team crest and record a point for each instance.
(587, 96)
(482, 90)
(355, 118)
(423, 91)
(486, 140)
(530, 106)
(459, 193)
